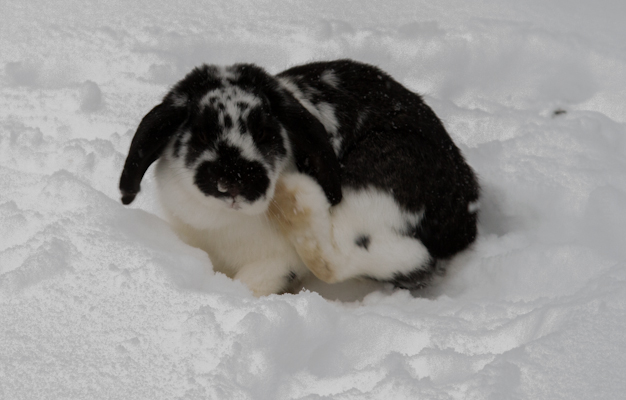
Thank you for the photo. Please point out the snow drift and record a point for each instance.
(102, 301)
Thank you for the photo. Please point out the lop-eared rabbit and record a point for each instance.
(330, 167)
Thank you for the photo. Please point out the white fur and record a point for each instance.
(375, 213)
(326, 114)
(245, 144)
(369, 212)
(329, 78)
(250, 248)
(234, 93)
(227, 72)
(243, 245)
(207, 155)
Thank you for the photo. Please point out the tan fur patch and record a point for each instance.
(285, 212)
(294, 221)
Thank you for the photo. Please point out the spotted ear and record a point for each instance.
(313, 152)
(154, 132)
(314, 155)
(312, 149)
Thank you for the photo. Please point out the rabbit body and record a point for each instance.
(332, 167)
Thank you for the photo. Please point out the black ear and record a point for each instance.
(312, 150)
(153, 134)
(310, 144)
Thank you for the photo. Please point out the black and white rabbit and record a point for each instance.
(332, 167)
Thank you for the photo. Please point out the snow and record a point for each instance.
(98, 300)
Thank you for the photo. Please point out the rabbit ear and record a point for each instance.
(314, 155)
(153, 134)
(312, 149)
(310, 144)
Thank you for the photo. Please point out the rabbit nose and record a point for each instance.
(222, 187)
(232, 189)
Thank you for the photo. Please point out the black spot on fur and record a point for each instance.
(228, 122)
(291, 277)
(416, 279)
(363, 241)
(177, 144)
(419, 278)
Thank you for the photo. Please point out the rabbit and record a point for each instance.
(331, 167)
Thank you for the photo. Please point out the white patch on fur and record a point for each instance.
(473, 206)
(360, 119)
(234, 93)
(180, 100)
(229, 96)
(207, 155)
(226, 73)
(324, 112)
(310, 91)
(329, 78)
(329, 120)
(287, 143)
(365, 212)
(245, 144)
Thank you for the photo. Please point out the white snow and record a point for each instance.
(98, 300)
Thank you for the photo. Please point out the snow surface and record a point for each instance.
(98, 300)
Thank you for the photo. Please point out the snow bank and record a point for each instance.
(102, 301)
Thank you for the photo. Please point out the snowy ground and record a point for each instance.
(98, 300)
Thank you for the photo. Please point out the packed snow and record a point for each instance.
(99, 300)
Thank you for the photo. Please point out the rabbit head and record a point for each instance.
(230, 132)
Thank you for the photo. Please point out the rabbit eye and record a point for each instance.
(260, 125)
(264, 134)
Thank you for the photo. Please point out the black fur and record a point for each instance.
(291, 277)
(363, 241)
(417, 279)
(153, 134)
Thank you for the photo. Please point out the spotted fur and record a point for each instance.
(329, 167)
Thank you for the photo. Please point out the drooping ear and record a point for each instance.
(313, 152)
(311, 148)
(153, 134)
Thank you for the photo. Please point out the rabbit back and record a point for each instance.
(399, 167)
